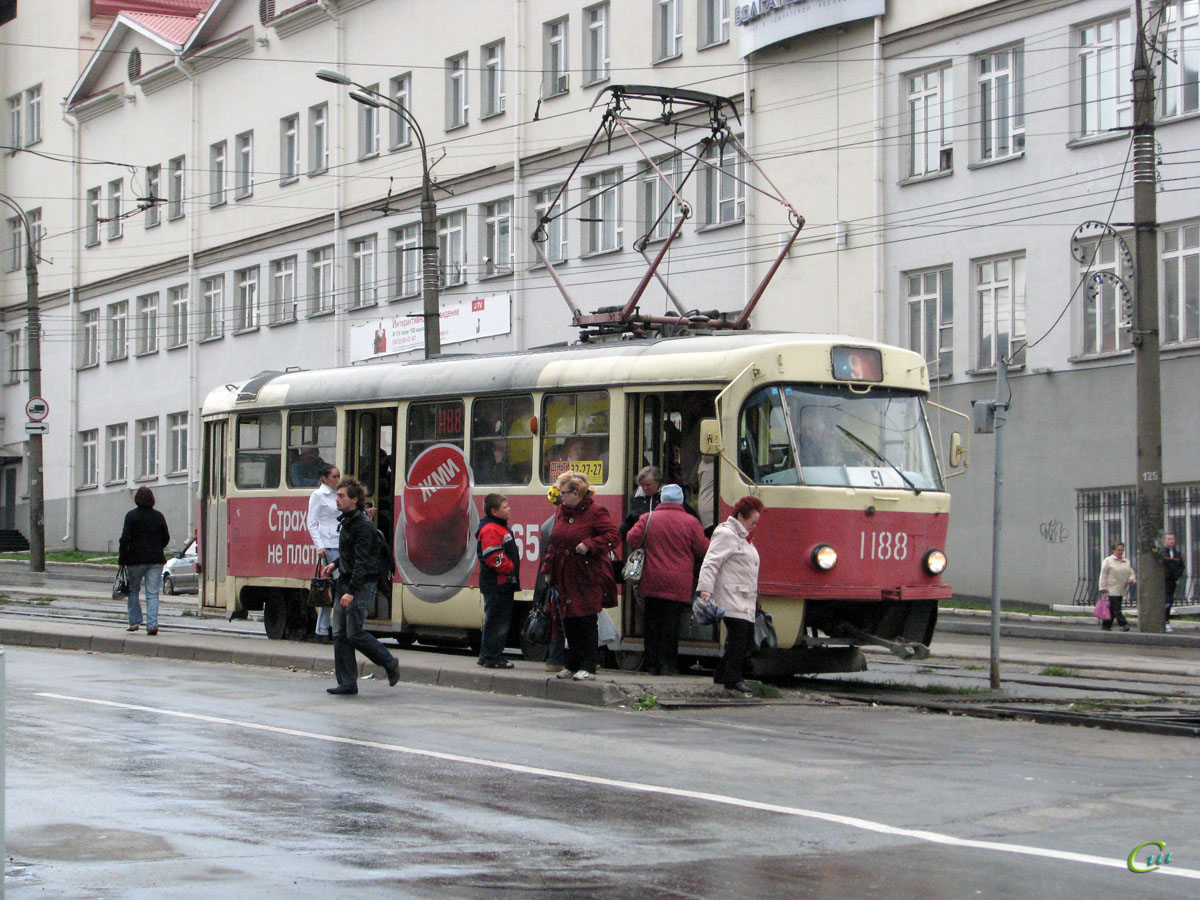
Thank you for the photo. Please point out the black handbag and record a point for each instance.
(120, 585)
(320, 589)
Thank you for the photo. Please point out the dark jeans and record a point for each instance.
(497, 616)
(1170, 591)
(583, 635)
(349, 634)
(739, 639)
(1114, 605)
(662, 619)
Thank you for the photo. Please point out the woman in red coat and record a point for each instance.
(675, 545)
(579, 567)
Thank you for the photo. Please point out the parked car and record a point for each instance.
(179, 574)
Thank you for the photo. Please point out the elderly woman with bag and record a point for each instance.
(1116, 575)
(578, 565)
(729, 576)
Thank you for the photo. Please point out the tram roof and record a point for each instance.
(712, 359)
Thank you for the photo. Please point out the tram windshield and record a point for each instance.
(838, 437)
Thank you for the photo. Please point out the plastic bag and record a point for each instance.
(764, 631)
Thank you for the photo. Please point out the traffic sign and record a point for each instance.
(36, 427)
(37, 409)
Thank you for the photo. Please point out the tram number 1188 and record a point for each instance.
(883, 545)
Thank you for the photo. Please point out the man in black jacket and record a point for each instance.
(1173, 569)
(358, 566)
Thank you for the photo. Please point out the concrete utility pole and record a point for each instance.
(1144, 337)
(1000, 415)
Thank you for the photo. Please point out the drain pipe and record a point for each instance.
(877, 312)
(518, 222)
(337, 150)
(68, 538)
(194, 429)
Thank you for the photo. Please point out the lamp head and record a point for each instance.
(333, 76)
(364, 99)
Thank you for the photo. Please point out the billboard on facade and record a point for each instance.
(761, 23)
(462, 320)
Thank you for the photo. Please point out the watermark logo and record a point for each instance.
(1153, 860)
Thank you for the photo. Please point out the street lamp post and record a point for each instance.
(431, 310)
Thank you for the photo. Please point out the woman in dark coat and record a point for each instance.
(675, 545)
(140, 551)
(579, 566)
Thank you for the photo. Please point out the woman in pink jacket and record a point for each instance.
(729, 576)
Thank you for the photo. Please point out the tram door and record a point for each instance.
(371, 461)
(212, 514)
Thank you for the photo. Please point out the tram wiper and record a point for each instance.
(879, 456)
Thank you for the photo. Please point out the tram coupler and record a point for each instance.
(902, 649)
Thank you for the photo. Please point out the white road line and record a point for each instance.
(931, 837)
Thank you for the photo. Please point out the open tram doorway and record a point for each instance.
(213, 483)
(371, 461)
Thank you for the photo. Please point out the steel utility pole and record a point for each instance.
(1149, 483)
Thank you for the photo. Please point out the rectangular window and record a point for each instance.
(311, 444)
(554, 232)
(89, 347)
(1000, 308)
(177, 443)
(177, 309)
(456, 91)
(283, 290)
(115, 225)
(575, 435)
(212, 307)
(289, 149)
(596, 60)
(668, 29)
(15, 134)
(216, 174)
(362, 272)
(501, 442)
(723, 185)
(1180, 283)
(1105, 320)
(401, 94)
(1179, 62)
(92, 218)
(33, 115)
(245, 165)
(14, 357)
(147, 323)
(1001, 103)
(115, 437)
(118, 317)
(555, 80)
(154, 195)
(175, 188)
(930, 297)
(602, 212)
(406, 256)
(16, 240)
(318, 138)
(245, 309)
(89, 463)
(491, 80)
(35, 228)
(497, 240)
(433, 423)
(146, 464)
(452, 249)
(259, 448)
(320, 280)
(930, 121)
(1105, 57)
(658, 207)
(368, 128)
(714, 22)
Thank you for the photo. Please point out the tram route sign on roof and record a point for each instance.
(36, 409)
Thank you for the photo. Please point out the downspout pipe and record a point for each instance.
(877, 324)
(194, 428)
(68, 538)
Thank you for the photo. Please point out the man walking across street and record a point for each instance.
(1173, 568)
(359, 568)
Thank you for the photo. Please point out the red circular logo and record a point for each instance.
(437, 509)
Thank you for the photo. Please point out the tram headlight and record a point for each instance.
(824, 557)
(934, 562)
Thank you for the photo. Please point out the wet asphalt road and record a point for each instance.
(331, 797)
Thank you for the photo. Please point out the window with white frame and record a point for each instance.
(320, 280)
(657, 206)
(1000, 310)
(289, 148)
(318, 138)
(1180, 283)
(115, 190)
(115, 437)
(1105, 319)
(212, 307)
(147, 324)
(216, 173)
(999, 81)
(175, 169)
(154, 195)
(602, 212)
(596, 61)
(368, 127)
(930, 105)
(930, 298)
(452, 249)
(555, 80)
(146, 457)
(406, 260)
(668, 29)
(400, 90)
(92, 218)
(283, 290)
(177, 311)
(89, 334)
(554, 231)
(244, 165)
(497, 238)
(36, 230)
(1105, 58)
(456, 91)
(723, 186)
(491, 80)
(245, 305)
(89, 461)
(16, 240)
(14, 357)
(118, 322)
(362, 272)
(25, 118)
(15, 134)
(1179, 62)
(714, 22)
(177, 443)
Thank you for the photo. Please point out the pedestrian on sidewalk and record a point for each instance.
(499, 579)
(1173, 570)
(359, 567)
(1116, 575)
(323, 529)
(143, 539)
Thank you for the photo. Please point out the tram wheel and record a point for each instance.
(628, 660)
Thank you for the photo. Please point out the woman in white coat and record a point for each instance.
(729, 576)
(323, 529)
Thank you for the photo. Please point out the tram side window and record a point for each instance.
(501, 442)
(764, 448)
(312, 438)
(440, 422)
(575, 435)
(259, 449)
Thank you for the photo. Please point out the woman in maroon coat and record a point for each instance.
(578, 565)
(675, 545)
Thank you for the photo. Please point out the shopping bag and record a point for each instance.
(1103, 611)
(764, 631)
(120, 585)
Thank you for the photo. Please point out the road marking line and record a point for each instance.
(931, 837)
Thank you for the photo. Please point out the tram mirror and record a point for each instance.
(710, 437)
(956, 450)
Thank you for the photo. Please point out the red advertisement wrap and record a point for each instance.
(268, 537)
(437, 507)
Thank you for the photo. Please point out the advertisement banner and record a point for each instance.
(462, 320)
